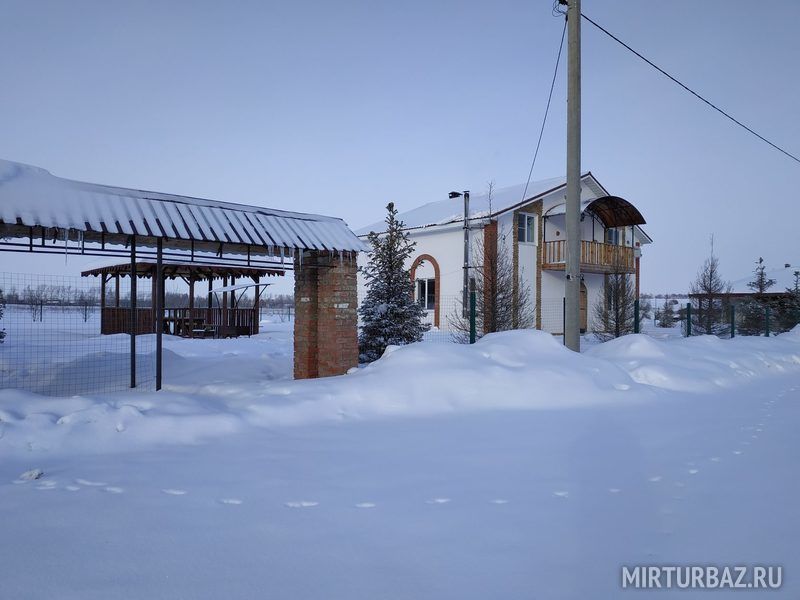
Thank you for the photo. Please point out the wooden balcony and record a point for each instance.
(596, 257)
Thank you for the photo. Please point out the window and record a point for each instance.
(526, 228)
(426, 293)
(612, 236)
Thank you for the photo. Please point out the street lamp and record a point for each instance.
(465, 293)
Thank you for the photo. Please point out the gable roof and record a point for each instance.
(442, 212)
(32, 197)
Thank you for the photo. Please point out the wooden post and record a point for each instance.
(116, 290)
(158, 284)
(153, 299)
(224, 314)
(256, 306)
(191, 305)
(210, 300)
(102, 300)
(134, 320)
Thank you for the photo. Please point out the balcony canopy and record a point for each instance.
(612, 211)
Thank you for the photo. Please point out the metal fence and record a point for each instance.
(52, 343)
(748, 317)
(454, 318)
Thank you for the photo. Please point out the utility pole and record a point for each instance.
(573, 209)
(465, 291)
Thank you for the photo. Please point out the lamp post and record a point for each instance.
(465, 292)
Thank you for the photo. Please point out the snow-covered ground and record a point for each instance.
(508, 469)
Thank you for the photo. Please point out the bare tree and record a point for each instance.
(501, 303)
(615, 309)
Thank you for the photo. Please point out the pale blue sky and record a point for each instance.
(338, 108)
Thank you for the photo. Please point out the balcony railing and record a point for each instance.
(596, 257)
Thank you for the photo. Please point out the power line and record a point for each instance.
(690, 90)
(546, 110)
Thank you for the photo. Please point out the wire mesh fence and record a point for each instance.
(748, 316)
(450, 321)
(52, 342)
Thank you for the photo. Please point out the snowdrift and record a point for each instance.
(522, 370)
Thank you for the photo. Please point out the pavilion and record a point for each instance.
(165, 235)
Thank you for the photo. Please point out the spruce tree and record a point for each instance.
(709, 304)
(752, 314)
(389, 315)
(666, 316)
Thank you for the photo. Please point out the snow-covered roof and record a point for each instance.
(32, 197)
(784, 279)
(442, 212)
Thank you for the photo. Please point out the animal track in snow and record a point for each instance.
(438, 501)
(737, 452)
(231, 501)
(561, 494)
(113, 489)
(301, 504)
(366, 505)
(694, 471)
(499, 501)
(174, 492)
(655, 479)
(90, 483)
(614, 490)
(715, 459)
(72, 488)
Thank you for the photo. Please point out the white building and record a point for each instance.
(530, 227)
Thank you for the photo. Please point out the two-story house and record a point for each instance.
(530, 228)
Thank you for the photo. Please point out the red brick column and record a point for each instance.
(326, 319)
(489, 274)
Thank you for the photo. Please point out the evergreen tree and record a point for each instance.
(752, 312)
(666, 316)
(790, 307)
(708, 304)
(389, 315)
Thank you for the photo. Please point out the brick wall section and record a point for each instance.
(326, 320)
(489, 273)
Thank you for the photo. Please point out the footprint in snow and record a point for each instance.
(231, 501)
(499, 501)
(113, 490)
(90, 483)
(614, 490)
(301, 504)
(438, 501)
(715, 459)
(655, 479)
(174, 492)
(561, 494)
(72, 488)
(366, 505)
(694, 471)
(737, 452)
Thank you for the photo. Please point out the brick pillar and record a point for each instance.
(489, 275)
(326, 317)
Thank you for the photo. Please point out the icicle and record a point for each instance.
(300, 260)
(66, 245)
(281, 256)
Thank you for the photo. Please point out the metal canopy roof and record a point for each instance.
(172, 270)
(31, 197)
(612, 211)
